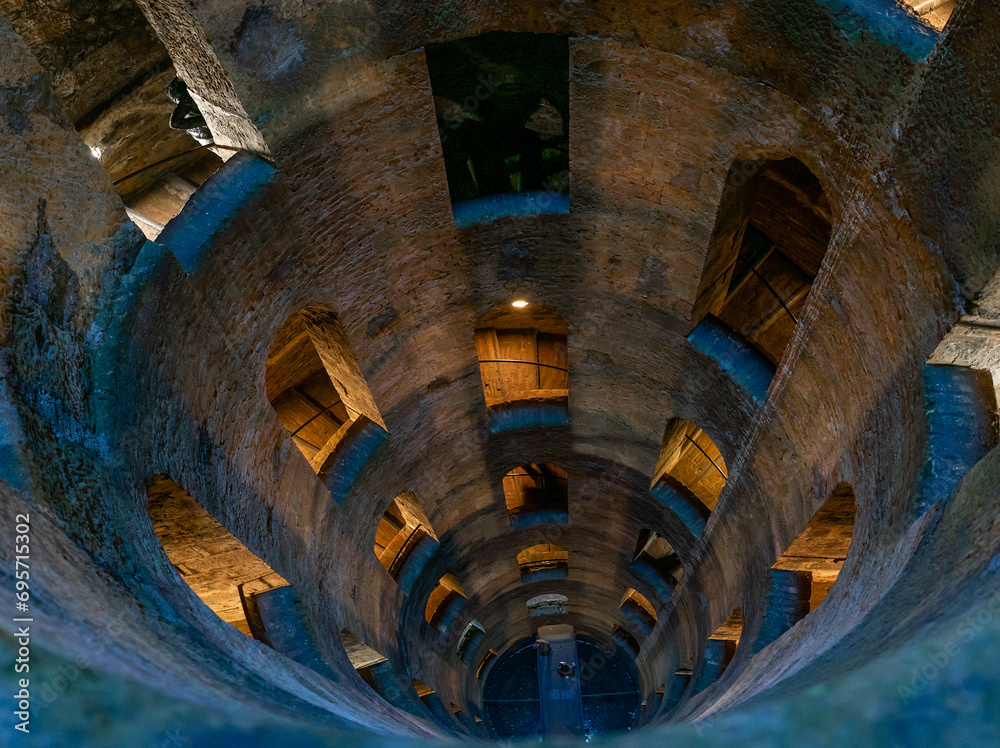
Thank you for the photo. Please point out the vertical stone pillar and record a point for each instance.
(206, 79)
(559, 682)
(787, 604)
(948, 156)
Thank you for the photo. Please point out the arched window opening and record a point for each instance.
(523, 357)
(543, 561)
(973, 344)
(720, 649)
(730, 629)
(316, 388)
(378, 672)
(463, 717)
(638, 611)
(676, 687)
(123, 96)
(548, 605)
(771, 234)
(804, 574)
(502, 102)
(934, 13)
(819, 552)
(222, 571)
(690, 457)
(625, 639)
(136, 91)
(400, 531)
(484, 665)
(655, 699)
(156, 180)
(360, 654)
(470, 639)
(536, 494)
(655, 561)
(444, 602)
(422, 689)
(434, 704)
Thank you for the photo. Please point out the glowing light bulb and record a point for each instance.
(519, 304)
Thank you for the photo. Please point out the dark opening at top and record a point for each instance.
(502, 103)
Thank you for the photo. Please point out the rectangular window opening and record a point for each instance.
(502, 103)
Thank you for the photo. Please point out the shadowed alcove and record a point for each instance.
(222, 571)
(771, 234)
(502, 104)
(315, 387)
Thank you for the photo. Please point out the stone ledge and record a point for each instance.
(216, 203)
